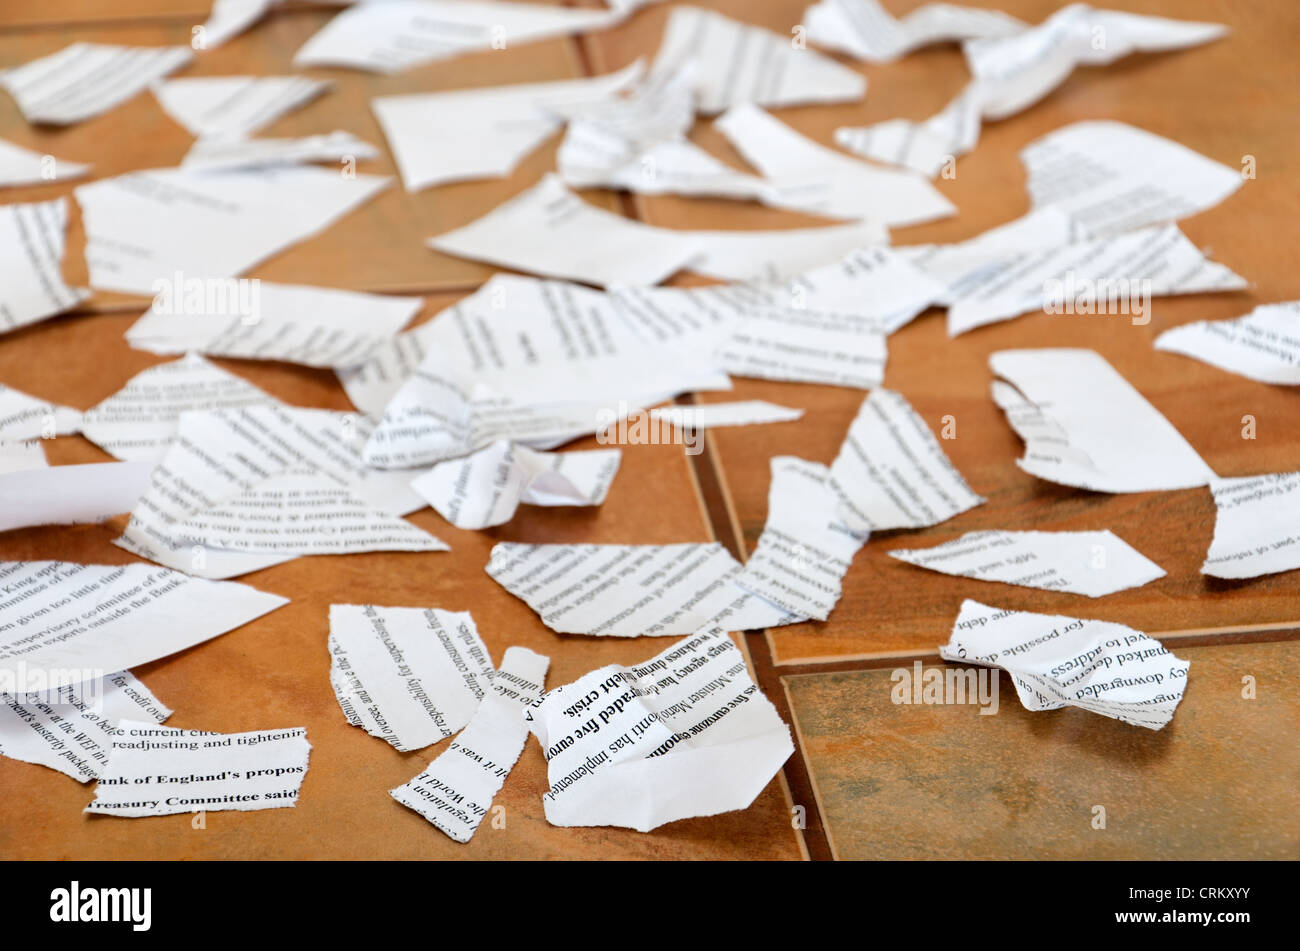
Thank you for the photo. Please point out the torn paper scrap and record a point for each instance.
(806, 346)
(25, 417)
(70, 727)
(17, 456)
(1256, 526)
(806, 547)
(234, 106)
(242, 489)
(777, 256)
(68, 495)
(97, 618)
(143, 227)
(298, 512)
(371, 385)
(456, 790)
(549, 230)
(228, 155)
(1089, 563)
(624, 590)
(1111, 177)
(156, 770)
(410, 676)
(1012, 72)
(1102, 277)
(1058, 661)
(875, 282)
(809, 177)
(496, 126)
(486, 487)
(139, 421)
(892, 473)
(314, 326)
(32, 244)
(85, 79)
(687, 733)
(1085, 425)
(736, 63)
(712, 415)
(1263, 345)
(964, 266)
(228, 19)
(20, 166)
(398, 34)
(866, 30)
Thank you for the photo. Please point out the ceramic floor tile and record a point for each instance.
(941, 782)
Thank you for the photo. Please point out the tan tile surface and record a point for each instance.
(943, 782)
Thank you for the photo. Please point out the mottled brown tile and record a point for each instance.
(944, 782)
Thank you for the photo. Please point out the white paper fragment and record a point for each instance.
(160, 771)
(20, 166)
(1263, 345)
(228, 155)
(234, 106)
(20, 456)
(687, 733)
(494, 369)
(1256, 526)
(486, 487)
(228, 19)
(399, 34)
(1111, 177)
(314, 326)
(811, 178)
(69, 728)
(806, 346)
(712, 415)
(737, 63)
(867, 31)
(892, 473)
(627, 590)
(496, 126)
(1107, 277)
(549, 230)
(246, 488)
(875, 283)
(806, 548)
(373, 384)
(1084, 425)
(1012, 72)
(139, 421)
(963, 266)
(410, 676)
(780, 255)
(144, 227)
(85, 79)
(68, 495)
(32, 245)
(1089, 563)
(456, 790)
(1058, 661)
(24, 417)
(96, 618)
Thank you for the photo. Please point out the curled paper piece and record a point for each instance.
(687, 733)
(1057, 661)
(486, 487)
(410, 676)
(1088, 563)
(456, 790)
(865, 30)
(1256, 526)
(160, 771)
